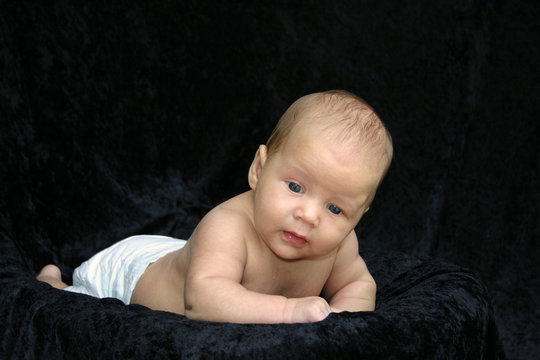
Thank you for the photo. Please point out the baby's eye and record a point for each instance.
(334, 209)
(294, 187)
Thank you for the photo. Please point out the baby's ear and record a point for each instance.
(257, 165)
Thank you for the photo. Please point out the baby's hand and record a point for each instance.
(307, 309)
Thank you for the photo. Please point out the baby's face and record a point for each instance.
(311, 194)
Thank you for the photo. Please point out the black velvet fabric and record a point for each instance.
(132, 117)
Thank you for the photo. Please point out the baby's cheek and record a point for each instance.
(279, 204)
(335, 235)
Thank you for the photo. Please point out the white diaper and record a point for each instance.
(114, 272)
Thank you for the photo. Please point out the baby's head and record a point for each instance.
(339, 117)
(318, 173)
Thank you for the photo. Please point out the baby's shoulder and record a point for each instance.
(226, 229)
(233, 214)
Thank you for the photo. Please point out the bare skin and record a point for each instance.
(52, 275)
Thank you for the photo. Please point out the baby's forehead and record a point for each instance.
(316, 143)
(349, 144)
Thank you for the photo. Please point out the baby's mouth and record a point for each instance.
(294, 239)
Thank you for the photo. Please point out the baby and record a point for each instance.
(283, 252)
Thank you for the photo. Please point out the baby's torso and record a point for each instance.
(162, 285)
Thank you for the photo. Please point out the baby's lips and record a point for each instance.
(295, 239)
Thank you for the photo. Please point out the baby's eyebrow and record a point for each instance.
(298, 170)
(345, 203)
(352, 204)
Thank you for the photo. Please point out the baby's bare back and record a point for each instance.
(161, 287)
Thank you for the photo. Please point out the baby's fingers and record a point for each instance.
(309, 309)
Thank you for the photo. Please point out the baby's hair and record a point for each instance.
(341, 114)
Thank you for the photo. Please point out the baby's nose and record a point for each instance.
(309, 213)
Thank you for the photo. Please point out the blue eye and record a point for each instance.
(294, 187)
(334, 209)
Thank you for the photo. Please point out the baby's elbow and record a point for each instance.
(365, 291)
(192, 310)
(192, 304)
(371, 287)
(369, 291)
(199, 297)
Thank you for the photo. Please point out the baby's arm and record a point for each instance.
(350, 286)
(213, 289)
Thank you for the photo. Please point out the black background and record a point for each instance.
(182, 94)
